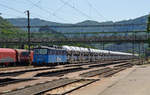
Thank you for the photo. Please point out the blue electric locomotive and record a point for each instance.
(49, 55)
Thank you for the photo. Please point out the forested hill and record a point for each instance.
(54, 32)
(7, 32)
(39, 22)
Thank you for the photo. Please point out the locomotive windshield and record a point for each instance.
(40, 51)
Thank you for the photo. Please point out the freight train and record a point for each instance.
(44, 55)
(13, 57)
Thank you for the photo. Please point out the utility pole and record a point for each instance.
(133, 45)
(148, 24)
(148, 31)
(28, 14)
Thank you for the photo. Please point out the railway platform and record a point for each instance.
(133, 81)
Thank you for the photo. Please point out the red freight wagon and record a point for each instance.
(23, 56)
(7, 56)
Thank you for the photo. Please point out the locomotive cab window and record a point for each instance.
(25, 53)
(40, 51)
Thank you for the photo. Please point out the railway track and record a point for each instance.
(66, 89)
(60, 72)
(7, 81)
(75, 69)
(112, 72)
(124, 65)
(108, 63)
(15, 68)
(16, 73)
(117, 69)
(105, 72)
(95, 72)
(42, 88)
(90, 65)
(64, 86)
(95, 64)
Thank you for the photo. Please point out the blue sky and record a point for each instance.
(76, 10)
